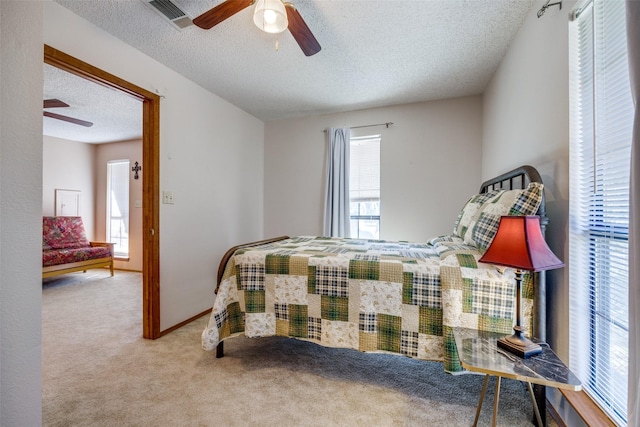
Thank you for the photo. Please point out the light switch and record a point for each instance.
(167, 197)
(138, 203)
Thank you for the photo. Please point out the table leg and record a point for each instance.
(495, 402)
(484, 389)
(535, 405)
(539, 392)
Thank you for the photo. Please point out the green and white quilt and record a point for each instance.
(367, 295)
(378, 296)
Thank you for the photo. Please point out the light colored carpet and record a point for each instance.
(98, 371)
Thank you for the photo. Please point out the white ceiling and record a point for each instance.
(115, 116)
(374, 53)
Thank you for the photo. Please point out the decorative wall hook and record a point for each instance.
(137, 168)
(544, 8)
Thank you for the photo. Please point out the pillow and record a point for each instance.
(447, 245)
(483, 227)
(469, 212)
(445, 240)
(63, 232)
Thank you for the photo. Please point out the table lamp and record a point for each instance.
(519, 244)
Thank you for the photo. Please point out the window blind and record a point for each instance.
(118, 206)
(364, 175)
(601, 125)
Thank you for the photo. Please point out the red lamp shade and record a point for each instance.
(519, 243)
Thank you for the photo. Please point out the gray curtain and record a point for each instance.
(336, 204)
(633, 46)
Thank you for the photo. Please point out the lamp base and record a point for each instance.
(519, 345)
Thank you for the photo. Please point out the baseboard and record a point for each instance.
(554, 414)
(587, 409)
(181, 324)
(127, 269)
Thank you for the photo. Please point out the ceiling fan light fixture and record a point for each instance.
(270, 16)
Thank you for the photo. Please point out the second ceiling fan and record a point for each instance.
(56, 103)
(269, 16)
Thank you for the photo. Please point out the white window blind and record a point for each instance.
(118, 206)
(364, 187)
(364, 172)
(601, 125)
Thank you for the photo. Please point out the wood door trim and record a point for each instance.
(151, 178)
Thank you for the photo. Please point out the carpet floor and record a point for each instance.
(98, 371)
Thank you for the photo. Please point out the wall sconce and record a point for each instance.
(137, 168)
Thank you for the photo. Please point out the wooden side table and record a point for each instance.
(478, 352)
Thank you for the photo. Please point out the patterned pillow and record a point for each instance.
(484, 225)
(63, 232)
(445, 240)
(469, 212)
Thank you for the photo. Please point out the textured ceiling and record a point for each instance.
(374, 53)
(115, 116)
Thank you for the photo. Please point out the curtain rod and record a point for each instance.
(387, 124)
(548, 5)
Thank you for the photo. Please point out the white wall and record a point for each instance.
(526, 121)
(211, 158)
(69, 165)
(124, 150)
(429, 167)
(20, 212)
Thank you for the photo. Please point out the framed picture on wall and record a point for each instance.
(67, 202)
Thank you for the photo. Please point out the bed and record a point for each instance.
(382, 296)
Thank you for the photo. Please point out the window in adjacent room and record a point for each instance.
(601, 126)
(118, 206)
(364, 187)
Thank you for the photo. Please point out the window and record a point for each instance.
(601, 125)
(364, 187)
(118, 206)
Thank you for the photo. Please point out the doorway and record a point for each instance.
(151, 180)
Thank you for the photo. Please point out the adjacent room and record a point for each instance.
(392, 154)
(92, 139)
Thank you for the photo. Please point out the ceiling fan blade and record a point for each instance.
(301, 32)
(67, 119)
(54, 103)
(221, 12)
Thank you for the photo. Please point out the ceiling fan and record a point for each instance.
(269, 16)
(56, 103)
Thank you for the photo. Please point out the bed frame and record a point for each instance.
(518, 178)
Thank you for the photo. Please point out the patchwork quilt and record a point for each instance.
(367, 295)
